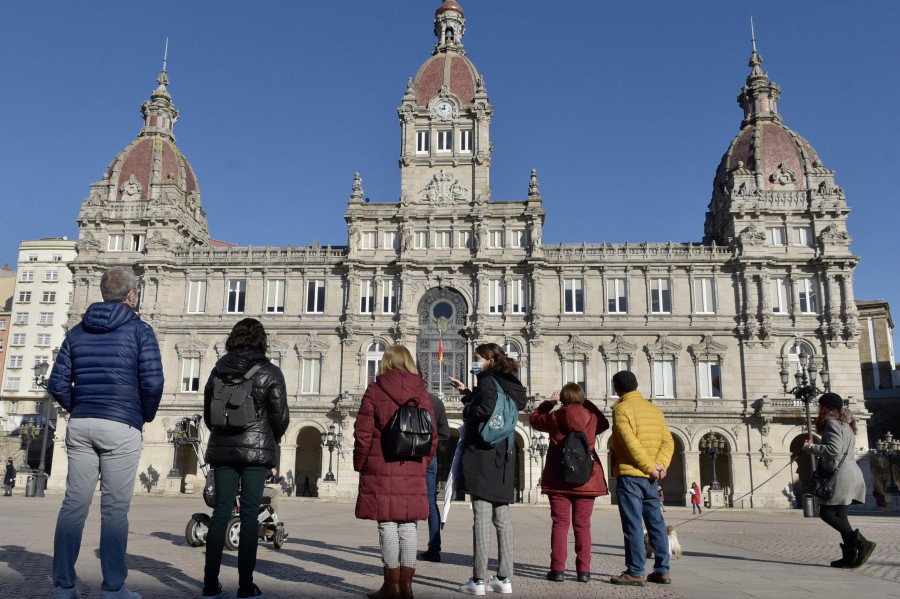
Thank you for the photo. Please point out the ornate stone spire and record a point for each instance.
(759, 97)
(449, 27)
(159, 113)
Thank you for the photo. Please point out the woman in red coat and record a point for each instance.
(392, 491)
(575, 414)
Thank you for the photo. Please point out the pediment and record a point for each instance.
(707, 348)
(190, 347)
(618, 347)
(663, 347)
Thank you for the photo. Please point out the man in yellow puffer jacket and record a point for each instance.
(643, 446)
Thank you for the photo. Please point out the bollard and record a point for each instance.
(809, 506)
(30, 484)
(40, 484)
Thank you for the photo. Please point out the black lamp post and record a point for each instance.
(177, 437)
(889, 448)
(539, 446)
(28, 431)
(712, 445)
(40, 380)
(332, 441)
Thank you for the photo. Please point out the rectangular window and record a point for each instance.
(802, 236)
(190, 375)
(24, 296)
(368, 240)
(51, 276)
(444, 141)
(48, 296)
(660, 296)
(15, 361)
(2, 324)
(423, 142)
(465, 239)
(465, 141)
(574, 296)
(56, 257)
(275, 296)
(115, 243)
(616, 300)
(12, 383)
(664, 378)
(32, 257)
(710, 384)
(779, 295)
(519, 296)
(390, 240)
(367, 297)
(575, 373)
(495, 296)
(315, 297)
(518, 239)
(312, 371)
(809, 304)
(18, 339)
(137, 242)
(41, 360)
(237, 296)
(46, 318)
(495, 239)
(43, 339)
(27, 276)
(442, 240)
(704, 295)
(420, 240)
(775, 235)
(21, 317)
(196, 297)
(389, 297)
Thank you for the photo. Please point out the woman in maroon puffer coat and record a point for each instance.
(575, 414)
(392, 491)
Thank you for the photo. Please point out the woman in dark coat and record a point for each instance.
(837, 428)
(392, 491)
(488, 473)
(570, 501)
(243, 455)
(9, 479)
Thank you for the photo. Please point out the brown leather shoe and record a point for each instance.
(628, 579)
(391, 587)
(406, 577)
(659, 578)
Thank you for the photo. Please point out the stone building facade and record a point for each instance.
(706, 326)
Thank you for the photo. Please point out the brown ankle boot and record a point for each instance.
(391, 587)
(406, 577)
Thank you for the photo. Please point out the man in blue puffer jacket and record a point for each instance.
(108, 376)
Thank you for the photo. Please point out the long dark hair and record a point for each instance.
(247, 334)
(839, 414)
(499, 360)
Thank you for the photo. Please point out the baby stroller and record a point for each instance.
(270, 527)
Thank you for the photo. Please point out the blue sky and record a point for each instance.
(624, 108)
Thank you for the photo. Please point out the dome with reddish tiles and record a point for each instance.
(449, 5)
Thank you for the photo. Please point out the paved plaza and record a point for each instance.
(729, 553)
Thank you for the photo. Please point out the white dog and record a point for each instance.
(674, 545)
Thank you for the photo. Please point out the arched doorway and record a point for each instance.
(186, 462)
(441, 307)
(722, 474)
(673, 485)
(610, 479)
(308, 464)
(801, 469)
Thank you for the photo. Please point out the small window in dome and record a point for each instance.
(442, 309)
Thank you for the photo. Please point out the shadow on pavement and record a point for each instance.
(34, 567)
(171, 576)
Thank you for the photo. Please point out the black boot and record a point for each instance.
(864, 548)
(848, 549)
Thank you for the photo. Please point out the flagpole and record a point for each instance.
(442, 324)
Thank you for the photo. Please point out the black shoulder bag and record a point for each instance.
(821, 483)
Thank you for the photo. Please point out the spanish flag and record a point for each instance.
(440, 349)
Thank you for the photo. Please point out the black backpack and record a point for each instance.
(576, 461)
(408, 433)
(232, 401)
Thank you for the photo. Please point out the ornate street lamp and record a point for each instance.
(539, 446)
(332, 441)
(28, 431)
(889, 448)
(712, 445)
(177, 436)
(40, 380)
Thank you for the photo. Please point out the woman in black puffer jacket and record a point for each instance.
(243, 455)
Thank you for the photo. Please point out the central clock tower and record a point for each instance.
(445, 148)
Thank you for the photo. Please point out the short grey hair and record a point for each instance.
(117, 283)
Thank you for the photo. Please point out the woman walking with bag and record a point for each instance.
(695, 499)
(392, 490)
(488, 473)
(570, 501)
(242, 455)
(837, 428)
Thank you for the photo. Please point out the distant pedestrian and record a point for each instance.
(307, 492)
(242, 456)
(488, 473)
(109, 378)
(392, 491)
(433, 554)
(9, 480)
(695, 499)
(643, 446)
(662, 499)
(837, 428)
(570, 502)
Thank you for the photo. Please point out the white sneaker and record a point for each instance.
(122, 593)
(499, 586)
(64, 593)
(473, 587)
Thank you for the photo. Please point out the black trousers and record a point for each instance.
(835, 516)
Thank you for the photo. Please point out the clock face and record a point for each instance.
(444, 109)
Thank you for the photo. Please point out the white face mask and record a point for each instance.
(476, 367)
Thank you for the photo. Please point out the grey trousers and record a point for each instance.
(398, 542)
(486, 514)
(97, 447)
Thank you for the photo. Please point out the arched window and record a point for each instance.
(373, 360)
(512, 350)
